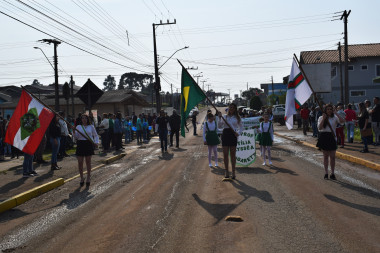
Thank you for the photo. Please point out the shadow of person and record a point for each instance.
(44, 176)
(218, 211)
(361, 190)
(77, 198)
(252, 170)
(12, 185)
(248, 191)
(179, 149)
(166, 156)
(282, 170)
(217, 170)
(12, 214)
(364, 208)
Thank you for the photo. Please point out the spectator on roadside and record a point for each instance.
(305, 118)
(104, 128)
(27, 166)
(134, 119)
(154, 117)
(55, 140)
(118, 131)
(144, 122)
(7, 146)
(87, 141)
(364, 126)
(350, 123)
(375, 113)
(139, 129)
(64, 134)
(194, 122)
(78, 121)
(367, 105)
(313, 121)
(162, 122)
(150, 122)
(340, 127)
(298, 118)
(270, 114)
(40, 150)
(110, 129)
(175, 126)
(127, 129)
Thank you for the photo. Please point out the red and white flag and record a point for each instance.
(297, 94)
(28, 124)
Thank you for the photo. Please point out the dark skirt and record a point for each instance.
(327, 141)
(228, 138)
(84, 148)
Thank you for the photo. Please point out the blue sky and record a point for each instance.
(231, 42)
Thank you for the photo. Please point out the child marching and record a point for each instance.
(266, 138)
(210, 138)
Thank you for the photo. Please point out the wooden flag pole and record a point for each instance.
(315, 95)
(208, 98)
(68, 123)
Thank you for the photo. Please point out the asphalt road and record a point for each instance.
(149, 202)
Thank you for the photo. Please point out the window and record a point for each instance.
(333, 72)
(351, 67)
(377, 70)
(357, 93)
(364, 67)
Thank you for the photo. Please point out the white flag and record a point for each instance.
(297, 94)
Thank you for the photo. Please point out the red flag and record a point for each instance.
(28, 124)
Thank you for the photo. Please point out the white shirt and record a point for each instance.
(211, 127)
(333, 122)
(105, 124)
(63, 125)
(233, 121)
(264, 128)
(91, 132)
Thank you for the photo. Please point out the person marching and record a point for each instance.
(230, 136)
(85, 146)
(327, 141)
(210, 138)
(162, 122)
(266, 138)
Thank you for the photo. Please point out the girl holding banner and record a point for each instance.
(230, 136)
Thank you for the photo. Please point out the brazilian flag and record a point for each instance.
(191, 95)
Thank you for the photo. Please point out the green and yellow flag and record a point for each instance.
(191, 95)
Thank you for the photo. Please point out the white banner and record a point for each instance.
(246, 147)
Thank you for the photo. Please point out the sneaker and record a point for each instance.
(216, 164)
(34, 173)
(332, 177)
(27, 175)
(270, 163)
(326, 176)
(264, 163)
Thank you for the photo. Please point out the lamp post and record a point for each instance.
(172, 56)
(45, 56)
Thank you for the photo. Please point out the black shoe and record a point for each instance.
(26, 175)
(364, 151)
(81, 183)
(66, 155)
(332, 177)
(326, 176)
(34, 173)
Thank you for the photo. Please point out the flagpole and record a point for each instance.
(207, 97)
(315, 95)
(68, 123)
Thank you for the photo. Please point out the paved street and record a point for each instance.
(149, 202)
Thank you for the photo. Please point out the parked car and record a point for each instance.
(279, 114)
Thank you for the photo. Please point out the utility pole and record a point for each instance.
(272, 86)
(72, 95)
(340, 74)
(346, 88)
(229, 95)
(247, 85)
(171, 88)
(157, 85)
(56, 43)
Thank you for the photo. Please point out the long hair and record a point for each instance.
(236, 113)
(88, 119)
(325, 111)
(362, 109)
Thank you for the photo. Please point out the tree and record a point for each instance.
(135, 81)
(249, 94)
(109, 83)
(36, 83)
(255, 103)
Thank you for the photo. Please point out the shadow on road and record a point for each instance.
(12, 214)
(252, 170)
(282, 170)
(166, 156)
(179, 149)
(44, 176)
(12, 185)
(248, 191)
(364, 208)
(77, 198)
(358, 189)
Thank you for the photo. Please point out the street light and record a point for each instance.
(172, 56)
(45, 56)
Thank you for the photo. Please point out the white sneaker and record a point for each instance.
(264, 164)
(216, 164)
(270, 163)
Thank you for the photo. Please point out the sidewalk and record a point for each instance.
(12, 183)
(349, 150)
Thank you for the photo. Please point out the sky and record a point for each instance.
(232, 44)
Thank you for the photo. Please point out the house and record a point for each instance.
(363, 67)
(126, 101)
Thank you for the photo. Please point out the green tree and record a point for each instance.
(36, 83)
(134, 81)
(109, 83)
(255, 103)
(249, 94)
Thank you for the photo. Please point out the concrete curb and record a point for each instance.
(28, 195)
(39, 190)
(350, 158)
